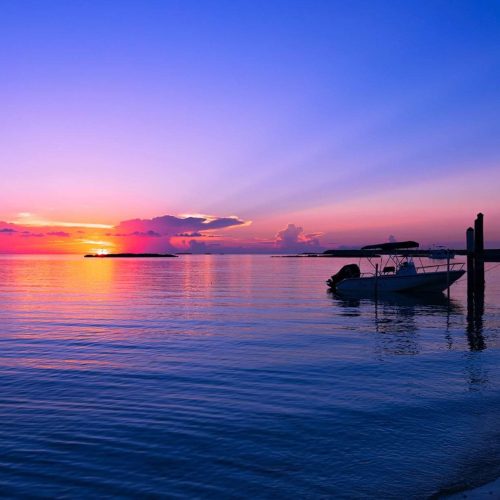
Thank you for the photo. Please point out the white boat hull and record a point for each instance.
(421, 282)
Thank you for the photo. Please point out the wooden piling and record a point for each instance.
(479, 234)
(475, 284)
(479, 254)
(470, 261)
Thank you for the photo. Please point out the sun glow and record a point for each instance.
(98, 242)
(66, 224)
(29, 219)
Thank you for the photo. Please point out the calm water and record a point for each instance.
(238, 376)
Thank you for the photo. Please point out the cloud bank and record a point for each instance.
(158, 234)
(20, 238)
(171, 225)
(167, 233)
(170, 232)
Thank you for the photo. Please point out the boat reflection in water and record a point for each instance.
(406, 316)
(430, 301)
(399, 319)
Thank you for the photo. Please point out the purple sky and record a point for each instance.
(352, 120)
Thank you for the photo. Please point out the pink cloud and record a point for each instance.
(293, 239)
(159, 233)
(170, 225)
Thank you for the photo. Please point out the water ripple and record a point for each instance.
(237, 376)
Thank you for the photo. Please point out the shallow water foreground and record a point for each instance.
(239, 376)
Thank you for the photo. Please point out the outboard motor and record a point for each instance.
(348, 271)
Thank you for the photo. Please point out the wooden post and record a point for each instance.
(475, 284)
(478, 233)
(479, 254)
(470, 261)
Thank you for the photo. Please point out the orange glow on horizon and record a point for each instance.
(44, 223)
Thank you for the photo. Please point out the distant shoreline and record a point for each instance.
(129, 255)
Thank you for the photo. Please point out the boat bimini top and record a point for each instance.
(393, 245)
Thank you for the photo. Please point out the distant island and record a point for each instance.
(128, 255)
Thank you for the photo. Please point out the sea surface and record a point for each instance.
(218, 376)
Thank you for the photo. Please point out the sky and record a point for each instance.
(247, 126)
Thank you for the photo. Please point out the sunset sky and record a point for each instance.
(247, 125)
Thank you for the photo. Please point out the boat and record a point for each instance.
(398, 274)
(439, 252)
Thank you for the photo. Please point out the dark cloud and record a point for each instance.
(140, 234)
(7, 230)
(29, 234)
(146, 234)
(190, 235)
(62, 234)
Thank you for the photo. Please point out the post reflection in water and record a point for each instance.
(475, 312)
(396, 319)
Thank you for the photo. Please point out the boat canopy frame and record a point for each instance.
(395, 259)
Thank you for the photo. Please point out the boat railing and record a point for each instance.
(371, 274)
(453, 266)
